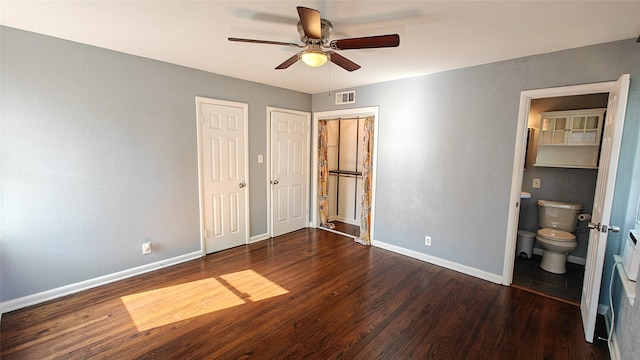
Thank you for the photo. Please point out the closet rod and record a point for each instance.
(353, 118)
(345, 175)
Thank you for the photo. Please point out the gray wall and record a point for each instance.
(446, 145)
(99, 155)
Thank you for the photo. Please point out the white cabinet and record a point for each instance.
(570, 138)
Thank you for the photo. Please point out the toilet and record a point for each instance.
(557, 220)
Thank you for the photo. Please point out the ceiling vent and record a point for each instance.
(346, 97)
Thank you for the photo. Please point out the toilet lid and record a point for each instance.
(556, 234)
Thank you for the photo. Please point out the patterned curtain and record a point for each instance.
(323, 176)
(365, 210)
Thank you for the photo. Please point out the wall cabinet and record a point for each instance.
(570, 138)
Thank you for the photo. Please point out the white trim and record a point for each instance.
(343, 219)
(260, 237)
(245, 109)
(494, 278)
(614, 348)
(346, 113)
(271, 109)
(267, 163)
(338, 232)
(34, 299)
(518, 160)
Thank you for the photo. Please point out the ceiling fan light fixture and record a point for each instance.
(314, 58)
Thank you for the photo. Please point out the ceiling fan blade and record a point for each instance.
(369, 42)
(310, 21)
(263, 42)
(290, 61)
(342, 61)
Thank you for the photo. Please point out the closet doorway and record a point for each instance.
(344, 132)
(344, 158)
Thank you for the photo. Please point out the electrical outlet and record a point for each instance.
(427, 240)
(536, 183)
(146, 248)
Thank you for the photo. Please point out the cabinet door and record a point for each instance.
(554, 130)
(585, 129)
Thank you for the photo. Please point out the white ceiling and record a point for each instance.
(434, 35)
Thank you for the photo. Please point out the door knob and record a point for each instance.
(243, 184)
(612, 228)
(604, 228)
(275, 182)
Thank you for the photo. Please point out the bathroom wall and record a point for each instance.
(561, 184)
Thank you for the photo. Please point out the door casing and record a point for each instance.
(519, 159)
(270, 111)
(346, 113)
(201, 194)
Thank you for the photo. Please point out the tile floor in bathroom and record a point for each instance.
(527, 274)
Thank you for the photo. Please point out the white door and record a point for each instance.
(222, 133)
(602, 202)
(289, 170)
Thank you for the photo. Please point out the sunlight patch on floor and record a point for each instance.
(159, 307)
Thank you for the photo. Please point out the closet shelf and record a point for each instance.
(345, 172)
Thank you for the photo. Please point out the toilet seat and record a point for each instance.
(556, 235)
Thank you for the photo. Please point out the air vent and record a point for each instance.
(346, 97)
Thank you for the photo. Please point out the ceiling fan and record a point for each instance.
(314, 34)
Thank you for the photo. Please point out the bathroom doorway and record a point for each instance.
(344, 130)
(558, 183)
(605, 184)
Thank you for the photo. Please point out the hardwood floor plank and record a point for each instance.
(309, 294)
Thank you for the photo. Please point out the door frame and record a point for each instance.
(245, 110)
(270, 110)
(519, 158)
(346, 113)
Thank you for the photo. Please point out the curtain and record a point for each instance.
(365, 209)
(323, 176)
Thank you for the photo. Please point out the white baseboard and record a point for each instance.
(572, 259)
(337, 232)
(614, 349)
(343, 219)
(260, 237)
(34, 299)
(494, 278)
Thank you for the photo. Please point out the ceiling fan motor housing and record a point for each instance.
(325, 28)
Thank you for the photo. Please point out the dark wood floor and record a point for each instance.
(528, 274)
(310, 294)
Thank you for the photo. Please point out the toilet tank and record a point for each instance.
(558, 215)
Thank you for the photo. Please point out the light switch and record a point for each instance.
(536, 183)
(260, 159)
